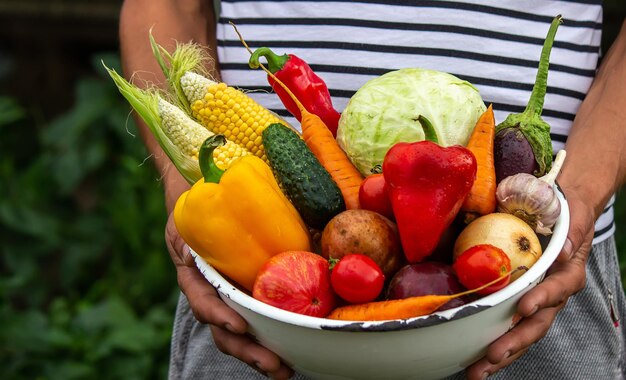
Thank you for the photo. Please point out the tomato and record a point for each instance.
(481, 264)
(357, 278)
(373, 196)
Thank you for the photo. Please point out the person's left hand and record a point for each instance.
(540, 306)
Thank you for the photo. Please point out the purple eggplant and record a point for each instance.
(522, 143)
(513, 154)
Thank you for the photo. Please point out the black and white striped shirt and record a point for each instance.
(494, 44)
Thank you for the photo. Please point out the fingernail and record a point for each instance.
(184, 250)
(230, 328)
(259, 367)
(567, 249)
(533, 311)
(187, 256)
(485, 375)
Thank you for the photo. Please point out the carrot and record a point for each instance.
(392, 309)
(482, 197)
(403, 308)
(322, 143)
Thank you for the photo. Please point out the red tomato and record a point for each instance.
(482, 264)
(373, 195)
(357, 278)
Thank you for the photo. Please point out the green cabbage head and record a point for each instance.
(386, 109)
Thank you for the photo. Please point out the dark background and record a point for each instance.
(87, 289)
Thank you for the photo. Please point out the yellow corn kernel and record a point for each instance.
(188, 136)
(228, 111)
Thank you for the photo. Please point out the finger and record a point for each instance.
(205, 303)
(563, 281)
(187, 257)
(179, 250)
(566, 252)
(527, 332)
(482, 368)
(581, 229)
(513, 344)
(251, 353)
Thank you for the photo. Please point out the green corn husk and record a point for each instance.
(187, 57)
(146, 104)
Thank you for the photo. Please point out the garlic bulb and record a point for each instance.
(532, 199)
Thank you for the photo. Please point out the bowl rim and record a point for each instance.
(534, 273)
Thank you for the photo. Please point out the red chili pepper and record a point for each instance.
(427, 185)
(307, 86)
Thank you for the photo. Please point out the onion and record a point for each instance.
(505, 231)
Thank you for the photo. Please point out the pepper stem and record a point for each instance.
(430, 133)
(535, 103)
(209, 169)
(293, 97)
(274, 62)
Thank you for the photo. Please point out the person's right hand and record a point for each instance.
(540, 306)
(227, 326)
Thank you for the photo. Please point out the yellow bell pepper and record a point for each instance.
(237, 219)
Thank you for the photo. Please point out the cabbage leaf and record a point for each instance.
(386, 109)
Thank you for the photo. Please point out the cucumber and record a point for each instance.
(305, 182)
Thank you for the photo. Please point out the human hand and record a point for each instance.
(228, 327)
(540, 306)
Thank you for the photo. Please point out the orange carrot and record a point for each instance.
(482, 197)
(322, 143)
(392, 309)
(402, 308)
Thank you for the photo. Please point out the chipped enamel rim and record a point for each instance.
(533, 275)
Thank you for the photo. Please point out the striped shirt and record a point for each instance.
(494, 44)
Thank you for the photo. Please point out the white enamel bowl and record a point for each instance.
(428, 347)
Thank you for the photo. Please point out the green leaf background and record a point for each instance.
(87, 289)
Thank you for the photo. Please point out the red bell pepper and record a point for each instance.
(427, 185)
(307, 86)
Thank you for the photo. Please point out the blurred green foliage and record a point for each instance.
(87, 289)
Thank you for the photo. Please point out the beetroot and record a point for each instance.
(427, 278)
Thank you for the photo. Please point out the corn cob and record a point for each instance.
(188, 136)
(217, 106)
(179, 136)
(228, 111)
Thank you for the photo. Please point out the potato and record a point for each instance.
(365, 232)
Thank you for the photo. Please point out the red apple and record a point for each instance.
(296, 281)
